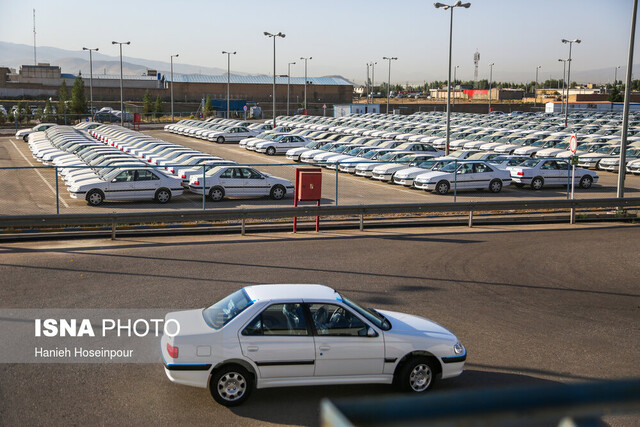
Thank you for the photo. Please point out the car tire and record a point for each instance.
(95, 197)
(586, 181)
(271, 151)
(25, 138)
(597, 166)
(537, 183)
(231, 385)
(220, 139)
(277, 192)
(443, 187)
(216, 194)
(495, 186)
(417, 375)
(163, 195)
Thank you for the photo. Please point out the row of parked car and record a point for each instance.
(103, 162)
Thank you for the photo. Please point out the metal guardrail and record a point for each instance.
(56, 220)
(503, 406)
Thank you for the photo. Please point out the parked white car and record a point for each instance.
(464, 175)
(407, 175)
(539, 173)
(128, 183)
(24, 133)
(234, 181)
(291, 335)
(232, 134)
(280, 144)
(386, 172)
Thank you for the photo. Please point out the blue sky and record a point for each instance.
(341, 36)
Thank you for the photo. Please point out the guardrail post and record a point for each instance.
(113, 230)
(455, 181)
(242, 226)
(470, 218)
(55, 176)
(361, 222)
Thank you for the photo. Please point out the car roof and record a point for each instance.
(291, 291)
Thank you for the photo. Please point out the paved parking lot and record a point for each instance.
(541, 305)
(33, 191)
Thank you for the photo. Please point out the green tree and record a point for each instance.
(615, 95)
(573, 85)
(78, 100)
(39, 113)
(63, 97)
(3, 119)
(19, 112)
(157, 106)
(207, 106)
(147, 106)
(48, 111)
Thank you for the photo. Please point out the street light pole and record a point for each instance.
(566, 110)
(172, 56)
(91, 78)
(305, 82)
(490, 79)
(121, 95)
(274, 71)
(625, 112)
(373, 78)
(564, 74)
(228, 76)
(535, 90)
(445, 7)
(289, 82)
(389, 58)
(453, 100)
(615, 78)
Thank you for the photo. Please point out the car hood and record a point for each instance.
(403, 323)
(431, 175)
(410, 171)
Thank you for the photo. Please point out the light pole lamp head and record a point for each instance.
(465, 5)
(439, 5)
(85, 48)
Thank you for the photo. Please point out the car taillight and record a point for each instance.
(184, 176)
(173, 171)
(173, 351)
(182, 184)
(196, 182)
(156, 163)
(520, 173)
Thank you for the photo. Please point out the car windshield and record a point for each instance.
(451, 167)
(222, 312)
(111, 175)
(424, 164)
(371, 315)
(387, 156)
(603, 150)
(530, 163)
(458, 154)
(369, 154)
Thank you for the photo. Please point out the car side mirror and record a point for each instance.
(371, 332)
(114, 180)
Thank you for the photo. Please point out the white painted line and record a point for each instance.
(39, 174)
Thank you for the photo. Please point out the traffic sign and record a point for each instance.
(244, 108)
(573, 143)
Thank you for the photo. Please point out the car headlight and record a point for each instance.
(458, 348)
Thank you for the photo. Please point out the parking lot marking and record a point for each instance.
(66, 205)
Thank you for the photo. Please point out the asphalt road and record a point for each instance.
(541, 305)
(28, 191)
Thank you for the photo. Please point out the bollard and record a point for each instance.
(470, 219)
(361, 222)
(242, 226)
(113, 230)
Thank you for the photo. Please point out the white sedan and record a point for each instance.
(291, 335)
(547, 172)
(386, 172)
(24, 133)
(232, 134)
(280, 144)
(128, 183)
(409, 173)
(235, 181)
(463, 176)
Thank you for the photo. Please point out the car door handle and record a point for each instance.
(252, 348)
(324, 347)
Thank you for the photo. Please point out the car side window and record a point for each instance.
(145, 176)
(481, 168)
(466, 168)
(124, 176)
(252, 174)
(546, 166)
(279, 319)
(562, 165)
(227, 174)
(334, 320)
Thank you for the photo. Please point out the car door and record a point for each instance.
(342, 346)
(122, 186)
(550, 172)
(465, 176)
(279, 341)
(145, 183)
(232, 181)
(255, 183)
(483, 175)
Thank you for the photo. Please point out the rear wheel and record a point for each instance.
(216, 194)
(537, 183)
(163, 195)
(278, 192)
(443, 187)
(231, 385)
(495, 186)
(220, 139)
(271, 151)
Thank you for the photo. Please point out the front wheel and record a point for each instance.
(278, 192)
(271, 151)
(95, 197)
(231, 386)
(417, 375)
(586, 181)
(220, 139)
(442, 187)
(162, 195)
(495, 186)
